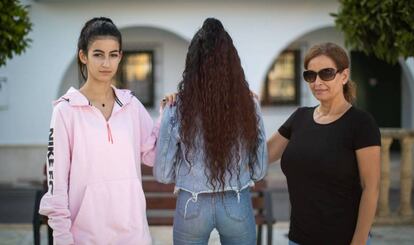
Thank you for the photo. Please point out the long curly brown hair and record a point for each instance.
(215, 103)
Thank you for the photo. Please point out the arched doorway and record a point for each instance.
(386, 91)
(158, 55)
(283, 82)
(378, 88)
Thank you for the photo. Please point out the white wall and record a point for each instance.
(306, 41)
(22, 165)
(169, 57)
(407, 92)
(260, 30)
(275, 116)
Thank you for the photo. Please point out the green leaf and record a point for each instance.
(14, 28)
(383, 28)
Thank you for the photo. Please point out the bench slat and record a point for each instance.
(146, 170)
(154, 186)
(168, 202)
(160, 197)
(159, 221)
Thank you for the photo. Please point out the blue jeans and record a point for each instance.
(294, 243)
(231, 215)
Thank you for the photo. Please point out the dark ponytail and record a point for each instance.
(94, 28)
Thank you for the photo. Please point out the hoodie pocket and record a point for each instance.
(112, 212)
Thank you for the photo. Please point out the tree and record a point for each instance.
(383, 28)
(14, 28)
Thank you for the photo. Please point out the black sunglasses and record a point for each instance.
(326, 74)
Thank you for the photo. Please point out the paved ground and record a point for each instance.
(16, 210)
(21, 234)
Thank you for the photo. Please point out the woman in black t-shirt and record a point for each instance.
(330, 155)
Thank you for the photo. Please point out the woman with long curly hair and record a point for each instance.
(212, 144)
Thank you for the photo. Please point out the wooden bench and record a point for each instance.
(39, 220)
(161, 204)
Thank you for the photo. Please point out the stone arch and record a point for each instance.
(302, 42)
(169, 51)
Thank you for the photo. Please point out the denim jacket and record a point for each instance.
(171, 167)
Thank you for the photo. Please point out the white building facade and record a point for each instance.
(261, 31)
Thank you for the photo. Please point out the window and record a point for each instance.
(283, 80)
(4, 93)
(136, 73)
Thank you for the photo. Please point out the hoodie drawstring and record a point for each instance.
(110, 139)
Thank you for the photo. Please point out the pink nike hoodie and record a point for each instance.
(95, 194)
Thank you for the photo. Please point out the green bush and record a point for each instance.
(14, 28)
(384, 28)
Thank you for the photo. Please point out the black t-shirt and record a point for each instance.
(322, 174)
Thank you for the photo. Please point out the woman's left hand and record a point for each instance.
(169, 99)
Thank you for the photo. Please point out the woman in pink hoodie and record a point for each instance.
(98, 137)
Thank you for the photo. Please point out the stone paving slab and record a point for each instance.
(21, 234)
